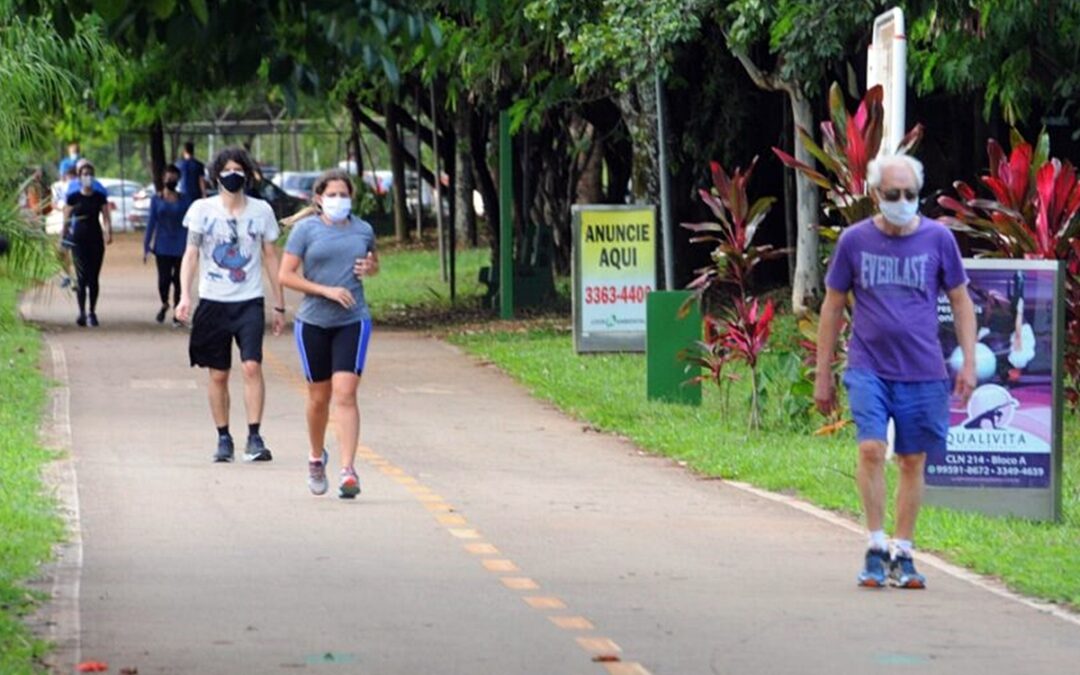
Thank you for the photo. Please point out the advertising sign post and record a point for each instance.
(1005, 446)
(614, 269)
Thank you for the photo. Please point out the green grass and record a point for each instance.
(29, 525)
(409, 284)
(608, 391)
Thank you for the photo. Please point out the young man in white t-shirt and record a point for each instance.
(230, 238)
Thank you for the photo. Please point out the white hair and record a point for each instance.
(878, 165)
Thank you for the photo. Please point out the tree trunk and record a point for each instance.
(806, 286)
(354, 134)
(397, 166)
(638, 107)
(157, 152)
(294, 147)
(589, 185)
(485, 182)
(464, 214)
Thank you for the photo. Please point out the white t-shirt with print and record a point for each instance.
(230, 256)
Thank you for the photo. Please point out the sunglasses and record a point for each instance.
(894, 195)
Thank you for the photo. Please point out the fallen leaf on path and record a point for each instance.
(92, 667)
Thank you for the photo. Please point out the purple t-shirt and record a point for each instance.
(896, 281)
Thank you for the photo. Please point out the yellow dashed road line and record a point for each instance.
(601, 649)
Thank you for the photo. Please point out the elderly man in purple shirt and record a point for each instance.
(896, 264)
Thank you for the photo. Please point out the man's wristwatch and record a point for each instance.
(279, 309)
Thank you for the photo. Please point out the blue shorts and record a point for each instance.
(920, 410)
(325, 351)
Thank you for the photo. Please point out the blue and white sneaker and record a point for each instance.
(873, 573)
(902, 572)
(256, 450)
(316, 481)
(224, 452)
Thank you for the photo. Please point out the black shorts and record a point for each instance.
(325, 351)
(215, 326)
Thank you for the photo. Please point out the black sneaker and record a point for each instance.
(256, 450)
(902, 572)
(224, 449)
(81, 320)
(91, 320)
(160, 318)
(873, 573)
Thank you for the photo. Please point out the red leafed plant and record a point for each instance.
(733, 256)
(848, 142)
(1033, 214)
(742, 331)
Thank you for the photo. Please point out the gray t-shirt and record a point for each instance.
(328, 253)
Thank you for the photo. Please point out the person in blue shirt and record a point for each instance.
(166, 238)
(192, 174)
(67, 164)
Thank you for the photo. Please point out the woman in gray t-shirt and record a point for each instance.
(335, 250)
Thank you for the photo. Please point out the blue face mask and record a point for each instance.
(900, 212)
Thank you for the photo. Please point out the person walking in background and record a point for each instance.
(332, 327)
(67, 164)
(166, 238)
(896, 264)
(192, 174)
(230, 237)
(87, 229)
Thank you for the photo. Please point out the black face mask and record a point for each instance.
(231, 182)
(171, 184)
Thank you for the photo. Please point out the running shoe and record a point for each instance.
(902, 572)
(81, 320)
(160, 318)
(224, 449)
(873, 573)
(316, 481)
(91, 320)
(256, 450)
(349, 485)
(177, 323)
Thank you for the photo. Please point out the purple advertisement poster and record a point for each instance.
(1004, 436)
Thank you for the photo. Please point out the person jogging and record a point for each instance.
(230, 237)
(333, 325)
(87, 229)
(896, 264)
(166, 238)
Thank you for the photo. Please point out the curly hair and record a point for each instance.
(233, 154)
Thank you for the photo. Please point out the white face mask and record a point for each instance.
(337, 208)
(86, 180)
(900, 212)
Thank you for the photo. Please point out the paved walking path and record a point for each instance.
(494, 535)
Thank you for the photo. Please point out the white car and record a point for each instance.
(126, 216)
(299, 184)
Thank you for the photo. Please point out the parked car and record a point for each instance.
(142, 197)
(126, 216)
(297, 183)
(379, 180)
